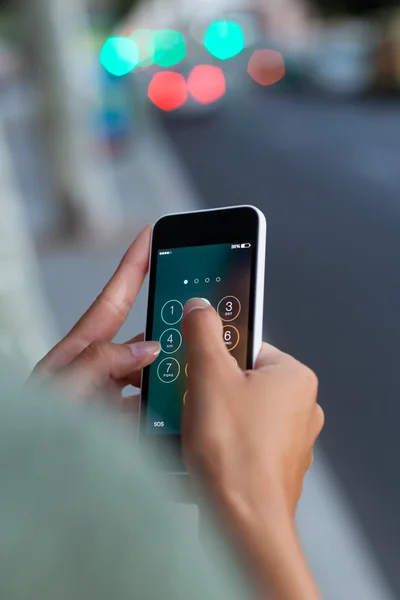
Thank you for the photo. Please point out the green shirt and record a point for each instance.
(83, 517)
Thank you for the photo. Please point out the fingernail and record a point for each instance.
(145, 348)
(194, 304)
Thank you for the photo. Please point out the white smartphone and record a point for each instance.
(217, 254)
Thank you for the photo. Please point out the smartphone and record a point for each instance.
(218, 255)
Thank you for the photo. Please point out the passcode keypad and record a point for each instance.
(169, 368)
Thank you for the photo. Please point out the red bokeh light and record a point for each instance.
(266, 67)
(168, 90)
(206, 84)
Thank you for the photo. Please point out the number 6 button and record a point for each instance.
(172, 312)
(231, 336)
(168, 370)
(229, 308)
(171, 341)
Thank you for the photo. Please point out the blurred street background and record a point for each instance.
(113, 113)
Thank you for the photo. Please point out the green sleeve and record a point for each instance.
(82, 517)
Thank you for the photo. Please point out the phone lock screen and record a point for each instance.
(220, 273)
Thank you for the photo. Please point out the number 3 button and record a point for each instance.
(229, 308)
(231, 336)
(168, 370)
(171, 341)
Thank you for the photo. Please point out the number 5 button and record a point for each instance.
(229, 308)
(171, 341)
(231, 336)
(168, 370)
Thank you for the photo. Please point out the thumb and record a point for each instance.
(202, 331)
(102, 362)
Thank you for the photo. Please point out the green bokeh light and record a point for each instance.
(119, 55)
(169, 47)
(224, 39)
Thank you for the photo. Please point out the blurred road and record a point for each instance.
(327, 176)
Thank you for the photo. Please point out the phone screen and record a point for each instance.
(220, 273)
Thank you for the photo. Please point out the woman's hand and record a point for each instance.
(86, 361)
(250, 436)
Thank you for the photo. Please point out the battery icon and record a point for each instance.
(245, 246)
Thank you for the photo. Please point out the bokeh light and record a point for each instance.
(168, 90)
(224, 39)
(206, 83)
(144, 41)
(266, 67)
(119, 55)
(169, 47)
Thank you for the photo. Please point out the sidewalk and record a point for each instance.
(150, 182)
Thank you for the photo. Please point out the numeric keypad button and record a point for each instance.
(231, 336)
(172, 312)
(168, 370)
(171, 341)
(229, 308)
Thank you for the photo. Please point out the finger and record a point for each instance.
(138, 338)
(206, 351)
(319, 421)
(102, 362)
(270, 356)
(107, 314)
(130, 406)
(135, 379)
(310, 460)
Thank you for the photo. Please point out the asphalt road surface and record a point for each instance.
(327, 176)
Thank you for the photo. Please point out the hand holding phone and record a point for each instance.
(250, 437)
(218, 255)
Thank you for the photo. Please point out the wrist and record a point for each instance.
(266, 533)
(267, 518)
(268, 506)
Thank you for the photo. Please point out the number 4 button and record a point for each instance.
(171, 341)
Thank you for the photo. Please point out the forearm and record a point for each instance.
(270, 542)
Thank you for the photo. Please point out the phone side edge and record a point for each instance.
(139, 417)
(260, 284)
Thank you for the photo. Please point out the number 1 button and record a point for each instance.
(168, 370)
(172, 312)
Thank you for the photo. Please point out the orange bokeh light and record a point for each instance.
(266, 67)
(206, 84)
(168, 90)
